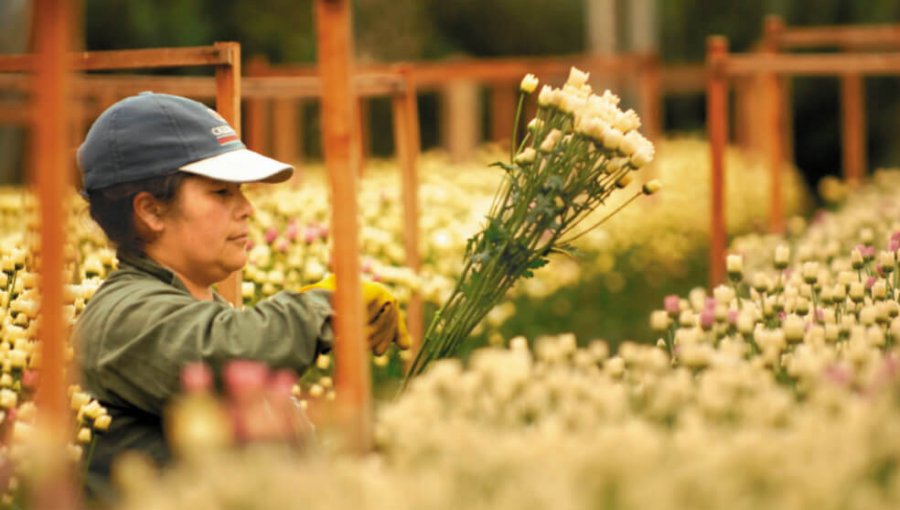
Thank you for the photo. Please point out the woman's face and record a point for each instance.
(205, 230)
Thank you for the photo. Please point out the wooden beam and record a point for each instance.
(853, 128)
(717, 127)
(199, 56)
(873, 64)
(772, 126)
(855, 37)
(352, 370)
(228, 104)
(54, 26)
(406, 141)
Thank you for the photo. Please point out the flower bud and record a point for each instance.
(103, 422)
(734, 265)
(651, 187)
(810, 272)
(529, 83)
(857, 292)
(793, 327)
(577, 77)
(782, 256)
(659, 320)
(526, 157)
(84, 435)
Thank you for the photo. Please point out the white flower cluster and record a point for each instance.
(599, 117)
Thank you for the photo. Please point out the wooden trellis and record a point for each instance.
(502, 75)
(777, 36)
(722, 66)
(49, 115)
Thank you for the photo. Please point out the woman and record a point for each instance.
(163, 178)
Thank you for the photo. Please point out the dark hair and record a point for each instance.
(112, 208)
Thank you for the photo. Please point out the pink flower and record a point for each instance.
(672, 304)
(245, 377)
(707, 318)
(732, 317)
(870, 281)
(291, 232)
(271, 235)
(894, 243)
(196, 377)
(838, 374)
(281, 382)
(310, 234)
(281, 245)
(30, 379)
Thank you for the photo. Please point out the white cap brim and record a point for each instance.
(242, 165)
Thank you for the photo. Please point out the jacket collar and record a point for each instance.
(147, 265)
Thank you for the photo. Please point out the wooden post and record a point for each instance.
(55, 22)
(285, 136)
(503, 111)
(651, 97)
(406, 139)
(352, 379)
(460, 119)
(853, 128)
(717, 128)
(363, 135)
(228, 104)
(255, 109)
(773, 126)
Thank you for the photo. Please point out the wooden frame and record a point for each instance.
(502, 76)
(51, 67)
(854, 38)
(722, 66)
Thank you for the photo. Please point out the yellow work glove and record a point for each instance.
(385, 321)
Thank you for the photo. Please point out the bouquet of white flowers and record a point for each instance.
(577, 151)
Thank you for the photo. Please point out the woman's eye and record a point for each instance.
(223, 192)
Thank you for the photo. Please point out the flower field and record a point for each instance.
(651, 244)
(780, 389)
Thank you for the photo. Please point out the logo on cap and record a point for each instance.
(225, 134)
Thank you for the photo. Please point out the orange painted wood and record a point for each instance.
(772, 125)
(650, 90)
(503, 110)
(853, 128)
(228, 104)
(362, 134)
(54, 26)
(352, 371)
(131, 59)
(827, 64)
(717, 127)
(255, 111)
(857, 37)
(683, 78)
(285, 124)
(406, 141)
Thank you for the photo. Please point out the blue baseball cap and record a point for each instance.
(154, 135)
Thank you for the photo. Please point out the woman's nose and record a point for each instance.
(245, 207)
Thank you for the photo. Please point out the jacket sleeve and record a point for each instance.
(136, 350)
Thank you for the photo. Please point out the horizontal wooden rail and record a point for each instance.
(130, 59)
(811, 65)
(871, 36)
(431, 73)
(370, 84)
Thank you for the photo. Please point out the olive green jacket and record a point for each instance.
(142, 326)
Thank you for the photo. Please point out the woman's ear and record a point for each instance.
(148, 215)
